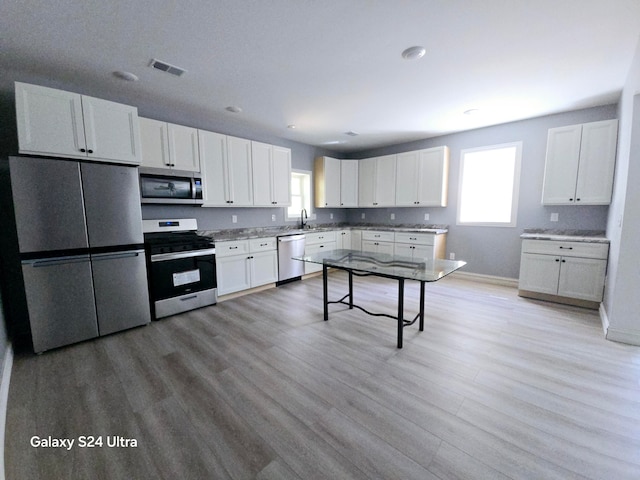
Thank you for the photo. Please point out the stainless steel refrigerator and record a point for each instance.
(79, 230)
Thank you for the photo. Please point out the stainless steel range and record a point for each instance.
(181, 266)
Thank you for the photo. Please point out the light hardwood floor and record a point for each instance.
(496, 387)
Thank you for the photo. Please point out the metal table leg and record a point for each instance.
(400, 310)
(350, 290)
(421, 306)
(325, 293)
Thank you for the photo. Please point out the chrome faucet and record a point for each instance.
(303, 216)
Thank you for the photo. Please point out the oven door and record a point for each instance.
(181, 273)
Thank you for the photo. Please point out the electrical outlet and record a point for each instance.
(452, 256)
(426, 216)
(331, 216)
(273, 217)
(234, 219)
(362, 216)
(393, 216)
(554, 217)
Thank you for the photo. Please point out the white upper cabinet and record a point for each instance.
(271, 175)
(349, 183)
(165, 145)
(580, 164)
(226, 169)
(327, 182)
(422, 178)
(63, 124)
(377, 181)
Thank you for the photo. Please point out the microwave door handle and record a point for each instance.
(193, 188)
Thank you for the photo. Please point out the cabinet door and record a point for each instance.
(264, 268)
(233, 274)
(49, 121)
(582, 278)
(539, 273)
(343, 239)
(240, 175)
(213, 164)
(385, 247)
(561, 167)
(281, 165)
(349, 183)
(111, 130)
(422, 253)
(356, 240)
(367, 182)
(597, 162)
(262, 159)
(403, 250)
(312, 249)
(407, 178)
(433, 177)
(385, 188)
(154, 143)
(331, 182)
(183, 148)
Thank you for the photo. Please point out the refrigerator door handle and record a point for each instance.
(116, 255)
(49, 262)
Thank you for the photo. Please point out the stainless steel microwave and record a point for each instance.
(158, 185)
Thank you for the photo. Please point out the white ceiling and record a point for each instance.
(330, 66)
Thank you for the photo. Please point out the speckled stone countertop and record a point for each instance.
(258, 232)
(590, 236)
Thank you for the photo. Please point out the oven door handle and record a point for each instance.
(163, 257)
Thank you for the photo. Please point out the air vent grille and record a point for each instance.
(167, 67)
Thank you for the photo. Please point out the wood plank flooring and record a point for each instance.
(260, 387)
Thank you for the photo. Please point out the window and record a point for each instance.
(300, 194)
(489, 183)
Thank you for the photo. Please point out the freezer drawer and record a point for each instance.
(122, 297)
(60, 301)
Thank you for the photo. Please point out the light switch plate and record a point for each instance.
(234, 219)
(554, 217)
(393, 216)
(362, 216)
(426, 216)
(273, 217)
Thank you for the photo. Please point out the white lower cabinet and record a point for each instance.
(377, 241)
(245, 264)
(318, 242)
(343, 239)
(570, 270)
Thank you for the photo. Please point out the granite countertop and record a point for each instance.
(258, 232)
(589, 236)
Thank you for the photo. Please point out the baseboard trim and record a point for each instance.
(604, 318)
(492, 279)
(630, 337)
(7, 364)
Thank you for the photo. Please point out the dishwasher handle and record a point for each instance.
(290, 238)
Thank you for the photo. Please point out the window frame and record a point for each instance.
(296, 216)
(515, 191)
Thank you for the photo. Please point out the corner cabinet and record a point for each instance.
(336, 182)
(57, 123)
(165, 145)
(422, 178)
(565, 272)
(377, 182)
(225, 163)
(580, 164)
(271, 171)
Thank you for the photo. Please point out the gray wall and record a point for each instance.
(496, 250)
(622, 302)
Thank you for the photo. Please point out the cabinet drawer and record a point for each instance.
(567, 249)
(415, 238)
(226, 249)
(319, 237)
(377, 236)
(262, 244)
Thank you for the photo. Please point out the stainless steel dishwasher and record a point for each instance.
(290, 246)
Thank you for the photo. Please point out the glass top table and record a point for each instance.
(395, 267)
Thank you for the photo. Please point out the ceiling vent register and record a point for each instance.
(167, 67)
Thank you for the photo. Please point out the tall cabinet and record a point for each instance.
(580, 164)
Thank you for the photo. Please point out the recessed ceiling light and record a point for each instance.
(128, 76)
(292, 126)
(471, 111)
(414, 53)
(351, 133)
(234, 109)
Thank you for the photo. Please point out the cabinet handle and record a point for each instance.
(566, 248)
(233, 248)
(557, 259)
(577, 199)
(83, 150)
(571, 199)
(89, 151)
(564, 261)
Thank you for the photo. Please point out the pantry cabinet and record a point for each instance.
(422, 178)
(271, 170)
(166, 145)
(563, 271)
(226, 169)
(57, 123)
(377, 181)
(580, 164)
